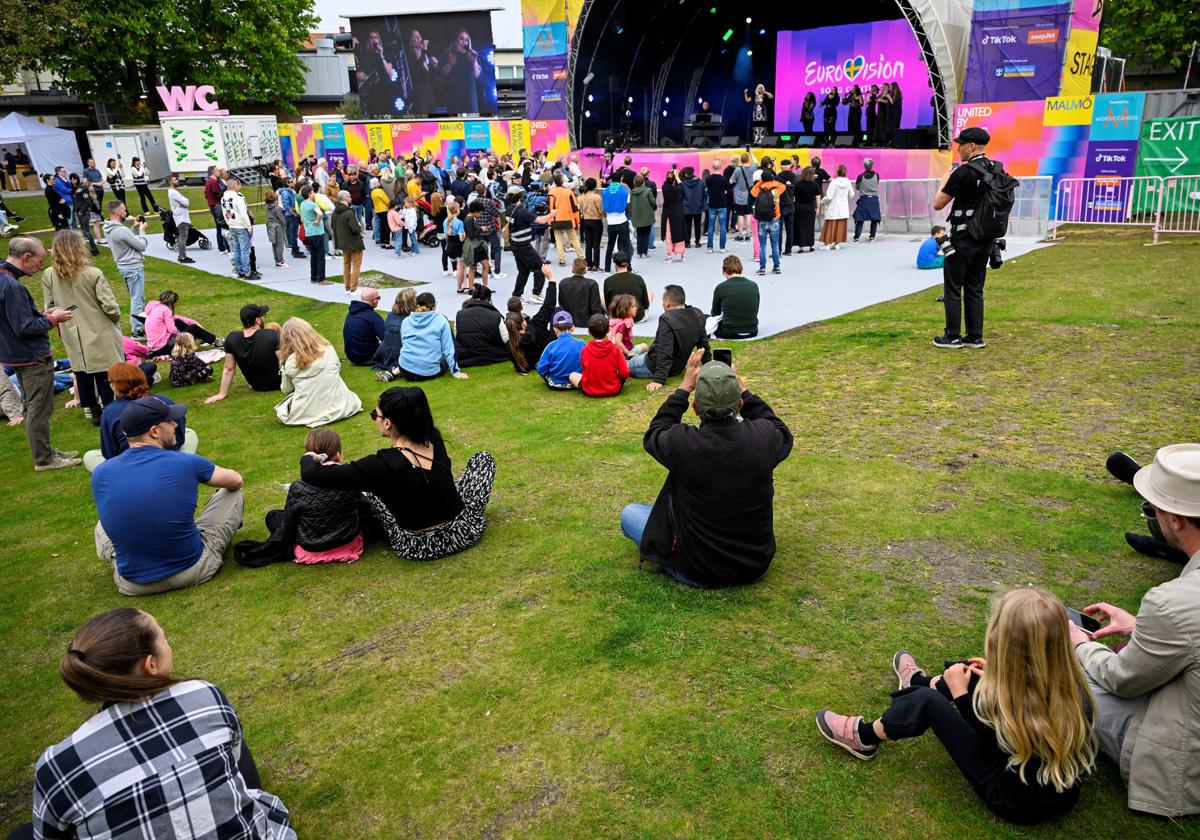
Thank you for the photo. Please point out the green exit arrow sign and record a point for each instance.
(1170, 147)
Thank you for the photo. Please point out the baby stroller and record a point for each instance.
(427, 229)
(171, 233)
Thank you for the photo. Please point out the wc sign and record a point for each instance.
(189, 101)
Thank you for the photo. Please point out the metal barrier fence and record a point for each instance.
(1164, 204)
(906, 206)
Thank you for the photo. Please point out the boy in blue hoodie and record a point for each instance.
(928, 256)
(561, 357)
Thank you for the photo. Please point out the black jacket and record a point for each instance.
(679, 332)
(580, 295)
(537, 331)
(477, 338)
(325, 518)
(713, 521)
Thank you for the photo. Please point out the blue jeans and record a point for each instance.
(135, 281)
(771, 228)
(650, 239)
(293, 232)
(239, 244)
(638, 368)
(633, 525)
(219, 222)
(718, 216)
(413, 244)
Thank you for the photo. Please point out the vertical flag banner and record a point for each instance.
(356, 142)
(1016, 54)
(545, 39)
(286, 152)
(1118, 116)
(379, 137)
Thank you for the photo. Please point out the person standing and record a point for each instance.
(837, 210)
(25, 346)
(212, 195)
(92, 338)
(766, 197)
(866, 208)
(86, 209)
(742, 179)
(115, 175)
(615, 200)
(808, 201)
(829, 106)
(348, 233)
(717, 187)
(758, 114)
(314, 234)
(291, 216)
(179, 204)
(641, 214)
(591, 223)
(965, 270)
(565, 210)
(91, 175)
(674, 233)
(237, 219)
(787, 207)
(872, 100)
(808, 112)
(11, 168)
(895, 113)
(57, 209)
(694, 204)
(854, 99)
(883, 118)
(128, 247)
(140, 174)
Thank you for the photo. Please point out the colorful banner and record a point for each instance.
(1118, 116)
(840, 57)
(335, 143)
(551, 136)
(1016, 57)
(1079, 62)
(546, 88)
(408, 137)
(379, 137)
(518, 133)
(304, 143)
(545, 39)
(534, 12)
(1016, 130)
(1111, 158)
(1086, 15)
(1069, 110)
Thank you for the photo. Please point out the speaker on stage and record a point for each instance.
(668, 143)
(730, 141)
(703, 143)
(843, 141)
(770, 141)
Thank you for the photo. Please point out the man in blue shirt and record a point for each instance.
(928, 255)
(92, 176)
(561, 357)
(161, 548)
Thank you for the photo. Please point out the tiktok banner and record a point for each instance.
(1016, 51)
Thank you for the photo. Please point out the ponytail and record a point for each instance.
(101, 661)
(513, 322)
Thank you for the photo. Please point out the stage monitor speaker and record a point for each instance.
(668, 143)
(843, 141)
(730, 141)
(703, 143)
(804, 140)
(770, 141)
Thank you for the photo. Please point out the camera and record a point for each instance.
(996, 258)
(945, 246)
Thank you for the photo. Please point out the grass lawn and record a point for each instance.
(542, 685)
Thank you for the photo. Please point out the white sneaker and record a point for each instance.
(499, 276)
(536, 298)
(722, 251)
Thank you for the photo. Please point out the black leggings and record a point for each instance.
(195, 330)
(691, 221)
(90, 385)
(385, 232)
(245, 766)
(143, 191)
(592, 230)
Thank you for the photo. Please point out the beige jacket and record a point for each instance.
(1160, 756)
(316, 395)
(92, 337)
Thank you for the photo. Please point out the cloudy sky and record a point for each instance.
(506, 22)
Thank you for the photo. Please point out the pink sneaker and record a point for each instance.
(843, 731)
(905, 667)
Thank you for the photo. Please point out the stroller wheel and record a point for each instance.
(205, 243)
(170, 246)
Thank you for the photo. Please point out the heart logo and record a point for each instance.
(854, 66)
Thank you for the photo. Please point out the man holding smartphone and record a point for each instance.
(713, 522)
(1148, 693)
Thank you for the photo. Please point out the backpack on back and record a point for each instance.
(615, 198)
(990, 219)
(764, 205)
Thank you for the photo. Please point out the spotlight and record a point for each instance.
(749, 52)
(667, 99)
(713, 10)
(628, 114)
(747, 20)
(762, 32)
(631, 100)
(728, 34)
(587, 80)
(591, 98)
(587, 113)
(664, 112)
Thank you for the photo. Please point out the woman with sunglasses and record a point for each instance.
(409, 485)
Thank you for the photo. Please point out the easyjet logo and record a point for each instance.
(1042, 36)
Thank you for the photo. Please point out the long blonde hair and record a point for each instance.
(70, 255)
(300, 339)
(184, 343)
(1033, 691)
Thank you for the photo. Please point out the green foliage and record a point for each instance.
(119, 51)
(1150, 33)
(352, 107)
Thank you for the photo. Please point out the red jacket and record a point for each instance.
(212, 192)
(604, 369)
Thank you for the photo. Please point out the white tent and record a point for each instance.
(47, 146)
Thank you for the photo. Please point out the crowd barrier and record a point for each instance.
(1163, 204)
(906, 206)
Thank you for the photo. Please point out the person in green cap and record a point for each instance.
(713, 522)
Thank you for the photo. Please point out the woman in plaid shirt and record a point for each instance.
(162, 758)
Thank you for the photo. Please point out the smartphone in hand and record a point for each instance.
(723, 354)
(1083, 621)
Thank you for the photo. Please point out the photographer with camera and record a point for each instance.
(128, 246)
(983, 194)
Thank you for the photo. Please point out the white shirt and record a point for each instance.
(179, 207)
(233, 206)
(321, 175)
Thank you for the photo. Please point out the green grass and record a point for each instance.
(542, 685)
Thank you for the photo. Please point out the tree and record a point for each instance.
(1150, 33)
(119, 51)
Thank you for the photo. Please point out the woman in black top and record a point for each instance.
(528, 337)
(409, 486)
(872, 98)
(808, 111)
(854, 99)
(829, 107)
(808, 198)
(1018, 724)
(672, 216)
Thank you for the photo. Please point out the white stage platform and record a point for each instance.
(813, 286)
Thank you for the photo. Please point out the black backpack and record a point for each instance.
(999, 191)
(764, 205)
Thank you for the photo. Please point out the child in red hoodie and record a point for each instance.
(604, 367)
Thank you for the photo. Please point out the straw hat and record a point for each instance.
(1172, 482)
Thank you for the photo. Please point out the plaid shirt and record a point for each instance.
(164, 767)
(489, 219)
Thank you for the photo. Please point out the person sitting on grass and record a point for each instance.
(163, 549)
(326, 520)
(253, 350)
(12, 408)
(362, 331)
(625, 282)
(162, 325)
(129, 383)
(311, 376)
(387, 358)
(186, 366)
(409, 485)
(561, 357)
(705, 532)
(529, 337)
(623, 312)
(580, 294)
(1123, 468)
(604, 367)
(480, 336)
(1017, 722)
(929, 255)
(158, 753)
(427, 349)
(680, 328)
(736, 301)
(1148, 691)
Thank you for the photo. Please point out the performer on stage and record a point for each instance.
(808, 111)
(758, 119)
(830, 106)
(871, 101)
(883, 117)
(854, 99)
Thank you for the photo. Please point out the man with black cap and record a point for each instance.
(161, 548)
(965, 269)
(713, 522)
(520, 239)
(253, 349)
